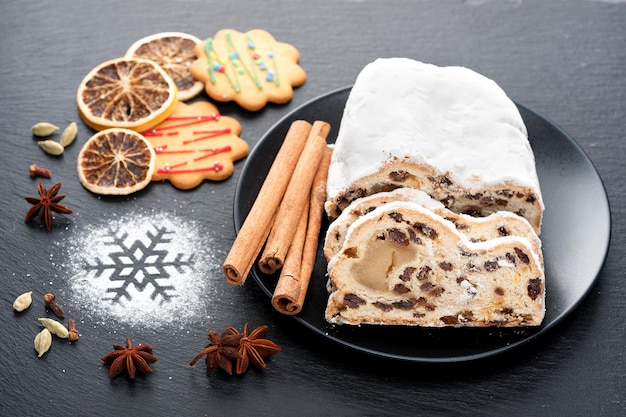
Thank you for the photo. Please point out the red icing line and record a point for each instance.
(207, 117)
(216, 167)
(161, 150)
(214, 152)
(211, 134)
(194, 120)
(151, 133)
(175, 166)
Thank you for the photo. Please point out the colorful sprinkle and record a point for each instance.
(241, 65)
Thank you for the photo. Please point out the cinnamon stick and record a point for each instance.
(291, 289)
(288, 287)
(292, 206)
(257, 225)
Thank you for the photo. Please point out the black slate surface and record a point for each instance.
(563, 60)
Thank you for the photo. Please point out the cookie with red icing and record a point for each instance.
(250, 68)
(196, 143)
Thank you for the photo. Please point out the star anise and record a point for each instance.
(221, 352)
(129, 359)
(253, 348)
(44, 206)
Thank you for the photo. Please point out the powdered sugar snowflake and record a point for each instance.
(143, 266)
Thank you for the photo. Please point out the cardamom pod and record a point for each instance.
(55, 327)
(44, 129)
(69, 134)
(23, 301)
(51, 147)
(43, 341)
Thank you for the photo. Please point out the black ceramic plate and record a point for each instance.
(575, 234)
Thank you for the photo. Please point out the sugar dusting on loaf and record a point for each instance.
(456, 122)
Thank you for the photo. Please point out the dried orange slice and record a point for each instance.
(174, 52)
(130, 93)
(116, 161)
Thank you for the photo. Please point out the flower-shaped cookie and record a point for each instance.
(196, 143)
(249, 68)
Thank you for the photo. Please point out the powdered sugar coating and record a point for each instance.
(452, 118)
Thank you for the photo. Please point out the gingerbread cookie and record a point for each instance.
(249, 68)
(196, 143)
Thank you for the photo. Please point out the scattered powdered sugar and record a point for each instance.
(142, 270)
